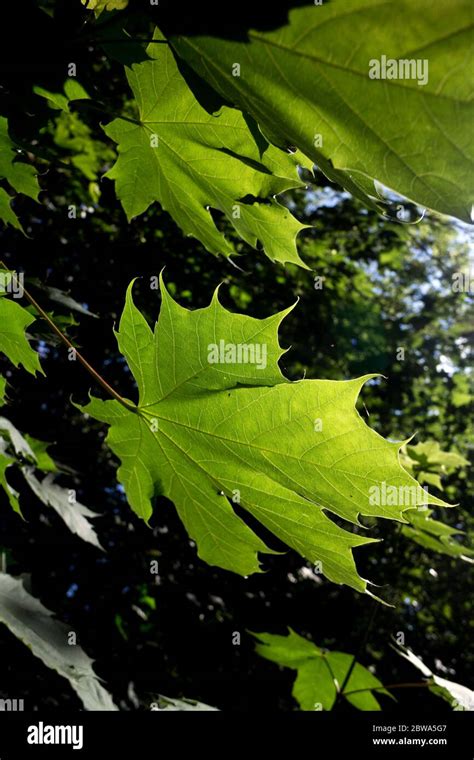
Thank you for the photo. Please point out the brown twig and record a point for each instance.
(98, 378)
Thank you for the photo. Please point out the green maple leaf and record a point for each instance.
(307, 84)
(210, 435)
(20, 176)
(427, 461)
(43, 461)
(14, 320)
(320, 672)
(427, 456)
(435, 535)
(6, 212)
(189, 160)
(60, 101)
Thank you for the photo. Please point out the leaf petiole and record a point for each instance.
(97, 377)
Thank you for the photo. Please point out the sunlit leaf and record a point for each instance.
(320, 673)
(212, 432)
(14, 321)
(310, 84)
(190, 160)
(19, 175)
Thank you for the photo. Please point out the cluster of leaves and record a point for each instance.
(323, 677)
(29, 455)
(202, 434)
(429, 463)
(184, 147)
(148, 439)
(236, 447)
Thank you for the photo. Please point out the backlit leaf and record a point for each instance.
(320, 673)
(190, 160)
(19, 175)
(211, 432)
(14, 320)
(309, 84)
